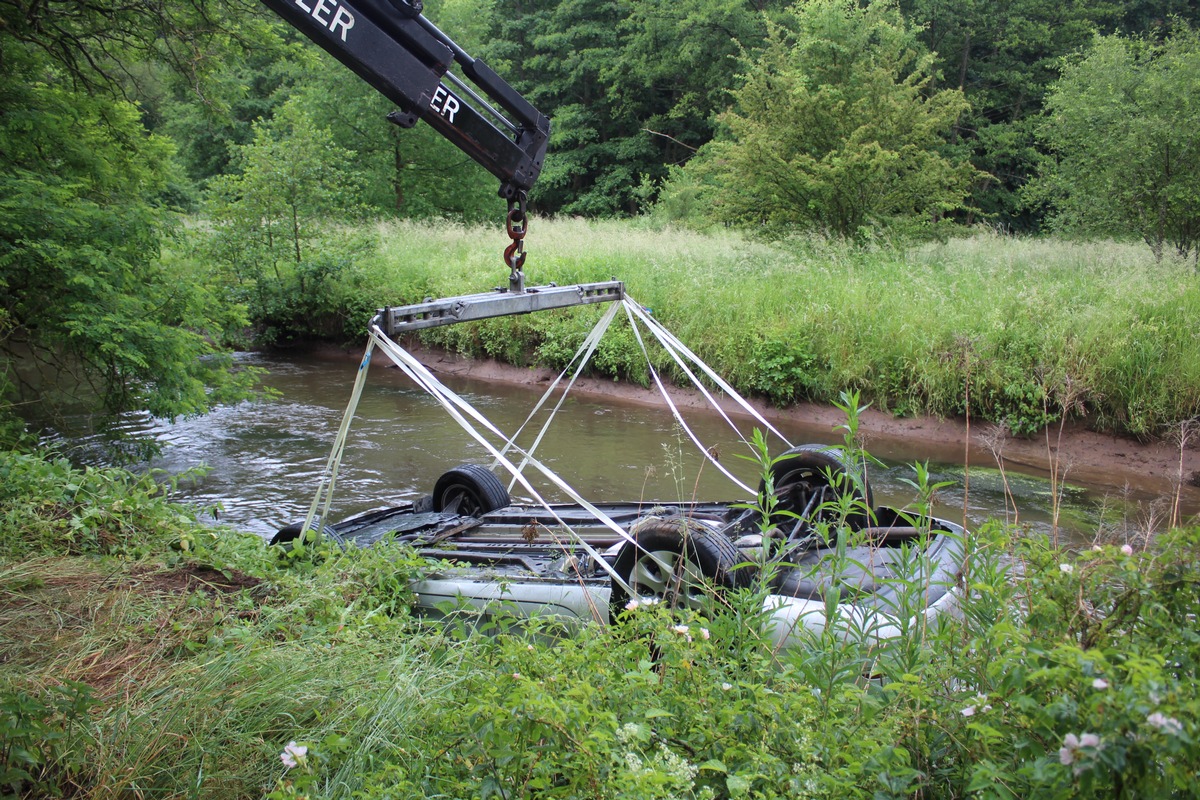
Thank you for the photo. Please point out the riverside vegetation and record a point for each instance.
(129, 129)
(1025, 330)
(147, 655)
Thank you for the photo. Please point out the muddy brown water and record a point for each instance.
(264, 459)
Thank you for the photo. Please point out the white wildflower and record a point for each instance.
(293, 755)
(629, 732)
(631, 605)
(969, 711)
(1067, 568)
(1070, 752)
(704, 634)
(1066, 753)
(1099, 683)
(725, 687)
(682, 630)
(675, 766)
(1126, 550)
(1168, 725)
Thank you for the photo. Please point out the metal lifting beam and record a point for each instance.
(497, 303)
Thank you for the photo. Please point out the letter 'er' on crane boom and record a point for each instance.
(404, 56)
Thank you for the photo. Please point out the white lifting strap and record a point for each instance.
(583, 355)
(459, 410)
(315, 520)
(675, 347)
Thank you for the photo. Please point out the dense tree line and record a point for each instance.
(835, 116)
(636, 88)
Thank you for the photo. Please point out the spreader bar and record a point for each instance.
(497, 303)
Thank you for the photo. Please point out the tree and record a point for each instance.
(1003, 56)
(411, 173)
(678, 60)
(91, 318)
(630, 87)
(555, 52)
(1123, 129)
(276, 222)
(836, 127)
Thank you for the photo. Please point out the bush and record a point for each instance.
(49, 506)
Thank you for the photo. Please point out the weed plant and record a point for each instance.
(1063, 675)
(1038, 329)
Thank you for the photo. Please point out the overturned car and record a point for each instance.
(813, 539)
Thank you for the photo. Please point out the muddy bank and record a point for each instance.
(1111, 463)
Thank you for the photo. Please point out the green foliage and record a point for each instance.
(91, 320)
(781, 371)
(1027, 331)
(676, 65)
(96, 44)
(49, 506)
(836, 128)
(1004, 59)
(1120, 125)
(277, 225)
(45, 737)
(1070, 702)
(207, 128)
(1061, 675)
(414, 173)
(660, 707)
(634, 89)
(558, 52)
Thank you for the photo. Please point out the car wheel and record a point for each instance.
(677, 562)
(809, 475)
(469, 490)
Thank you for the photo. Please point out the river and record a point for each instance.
(263, 459)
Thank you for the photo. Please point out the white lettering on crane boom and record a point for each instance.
(445, 103)
(320, 9)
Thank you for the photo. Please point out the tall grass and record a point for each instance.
(1038, 328)
(1065, 675)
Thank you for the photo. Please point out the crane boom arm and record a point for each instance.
(404, 56)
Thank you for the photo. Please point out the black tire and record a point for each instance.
(703, 562)
(808, 470)
(470, 491)
(289, 533)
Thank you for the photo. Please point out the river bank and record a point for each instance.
(1109, 462)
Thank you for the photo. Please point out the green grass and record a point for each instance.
(1030, 328)
(124, 678)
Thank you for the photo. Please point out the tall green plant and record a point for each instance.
(91, 319)
(837, 127)
(1121, 127)
(277, 223)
